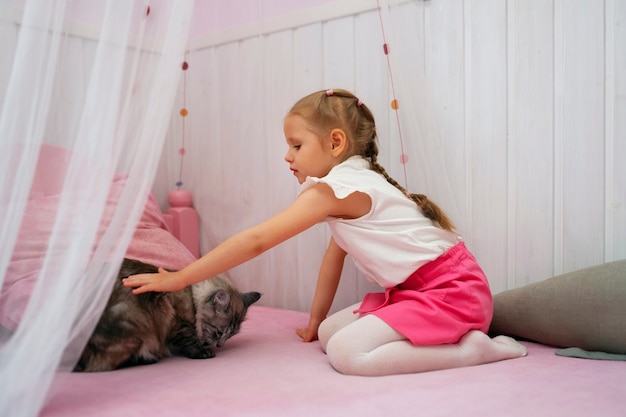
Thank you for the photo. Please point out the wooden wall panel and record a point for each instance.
(520, 127)
(582, 106)
(487, 153)
(530, 156)
(339, 53)
(446, 70)
(525, 106)
(615, 20)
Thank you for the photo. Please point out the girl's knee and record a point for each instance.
(324, 333)
(336, 322)
(341, 355)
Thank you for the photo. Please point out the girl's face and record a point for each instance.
(308, 154)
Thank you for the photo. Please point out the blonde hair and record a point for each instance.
(330, 109)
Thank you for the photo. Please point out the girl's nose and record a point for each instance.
(288, 157)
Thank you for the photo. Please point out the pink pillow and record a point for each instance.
(151, 243)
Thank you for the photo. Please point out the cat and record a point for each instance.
(142, 329)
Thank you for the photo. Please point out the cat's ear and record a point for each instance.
(221, 300)
(250, 298)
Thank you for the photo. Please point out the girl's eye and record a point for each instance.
(297, 147)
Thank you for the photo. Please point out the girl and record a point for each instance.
(437, 303)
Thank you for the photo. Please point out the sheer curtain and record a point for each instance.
(96, 80)
(102, 82)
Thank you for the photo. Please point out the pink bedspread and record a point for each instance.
(267, 371)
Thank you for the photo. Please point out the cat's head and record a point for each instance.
(220, 312)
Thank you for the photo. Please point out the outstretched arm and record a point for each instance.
(327, 282)
(311, 207)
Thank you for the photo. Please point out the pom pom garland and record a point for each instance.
(183, 113)
(394, 103)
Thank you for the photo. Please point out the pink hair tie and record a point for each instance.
(329, 92)
(359, 102)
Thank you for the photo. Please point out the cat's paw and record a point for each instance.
(200, 354)
(208, 353)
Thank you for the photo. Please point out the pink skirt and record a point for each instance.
(438, 303)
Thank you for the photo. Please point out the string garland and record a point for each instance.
(404, 158)
(183, 113)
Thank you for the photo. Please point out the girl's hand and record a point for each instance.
(161, 282)
(308, 334)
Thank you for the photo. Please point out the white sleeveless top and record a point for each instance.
(394, 239)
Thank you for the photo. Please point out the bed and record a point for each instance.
(266, 370)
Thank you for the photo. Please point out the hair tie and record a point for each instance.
(329, 92)
(359, 102)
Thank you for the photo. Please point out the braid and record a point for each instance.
(428, 207)
(371, 150)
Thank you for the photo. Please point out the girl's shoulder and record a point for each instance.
(344, 179)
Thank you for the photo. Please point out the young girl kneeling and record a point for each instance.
(437, 305)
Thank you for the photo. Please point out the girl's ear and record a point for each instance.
(338, 141)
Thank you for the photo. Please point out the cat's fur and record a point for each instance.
(141, 329)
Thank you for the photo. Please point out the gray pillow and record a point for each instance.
(584, 309)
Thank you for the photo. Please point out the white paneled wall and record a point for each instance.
(528, 99)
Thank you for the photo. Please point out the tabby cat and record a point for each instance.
(141, 329)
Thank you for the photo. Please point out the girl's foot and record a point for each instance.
(483, 349)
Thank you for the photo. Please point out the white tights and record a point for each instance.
(368, 346)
